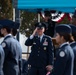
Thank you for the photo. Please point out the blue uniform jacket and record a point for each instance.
(13, 56)
(41, 52)
(73, 45)
(2, 55)
(64, 61)
(24, 67)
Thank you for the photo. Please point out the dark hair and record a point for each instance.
(67, 36)
(47, 13)
(14, 32)
(8, 29)
(1, 35)
(74, 16)
(74, 36)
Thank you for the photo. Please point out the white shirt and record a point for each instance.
(31, 37)
(7, 35)
(41, 37)
(72, 42)
(64, 44)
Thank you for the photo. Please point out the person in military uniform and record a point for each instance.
(41, 57)
(2, 56)
(24, 62)
(73, 21)
(73, 45)
(50, 25)
(65, 56)
(24, 67)
(15, 28)
(12, 49)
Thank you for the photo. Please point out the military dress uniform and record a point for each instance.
(15, 28)
(24, 67)
(65, 56)
(2, 56)
(73, 45)
(64, 61)
(49, 28)
(50, 25)
(12, 56)
(13, 52)
(41, 54)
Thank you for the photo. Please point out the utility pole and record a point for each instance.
(16, 14)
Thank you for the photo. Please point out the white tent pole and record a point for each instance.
(13, 14)
(38, 17)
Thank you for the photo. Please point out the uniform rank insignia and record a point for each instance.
(34, 43)
(3, 44)
(62, 54)
(45, 42)
(44, 48)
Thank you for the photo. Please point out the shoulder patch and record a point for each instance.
(62, 54)
(3, 44)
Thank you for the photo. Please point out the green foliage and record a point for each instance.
(6, 9)
(28, 20)
(65, 20)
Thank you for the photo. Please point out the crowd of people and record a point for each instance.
(41, 60)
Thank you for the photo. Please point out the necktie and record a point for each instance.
(39, 39)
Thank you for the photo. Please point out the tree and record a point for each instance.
(65, 20)
(28, 21)
(6, 9)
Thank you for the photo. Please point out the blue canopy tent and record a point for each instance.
(67, 6)
(41, 5)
